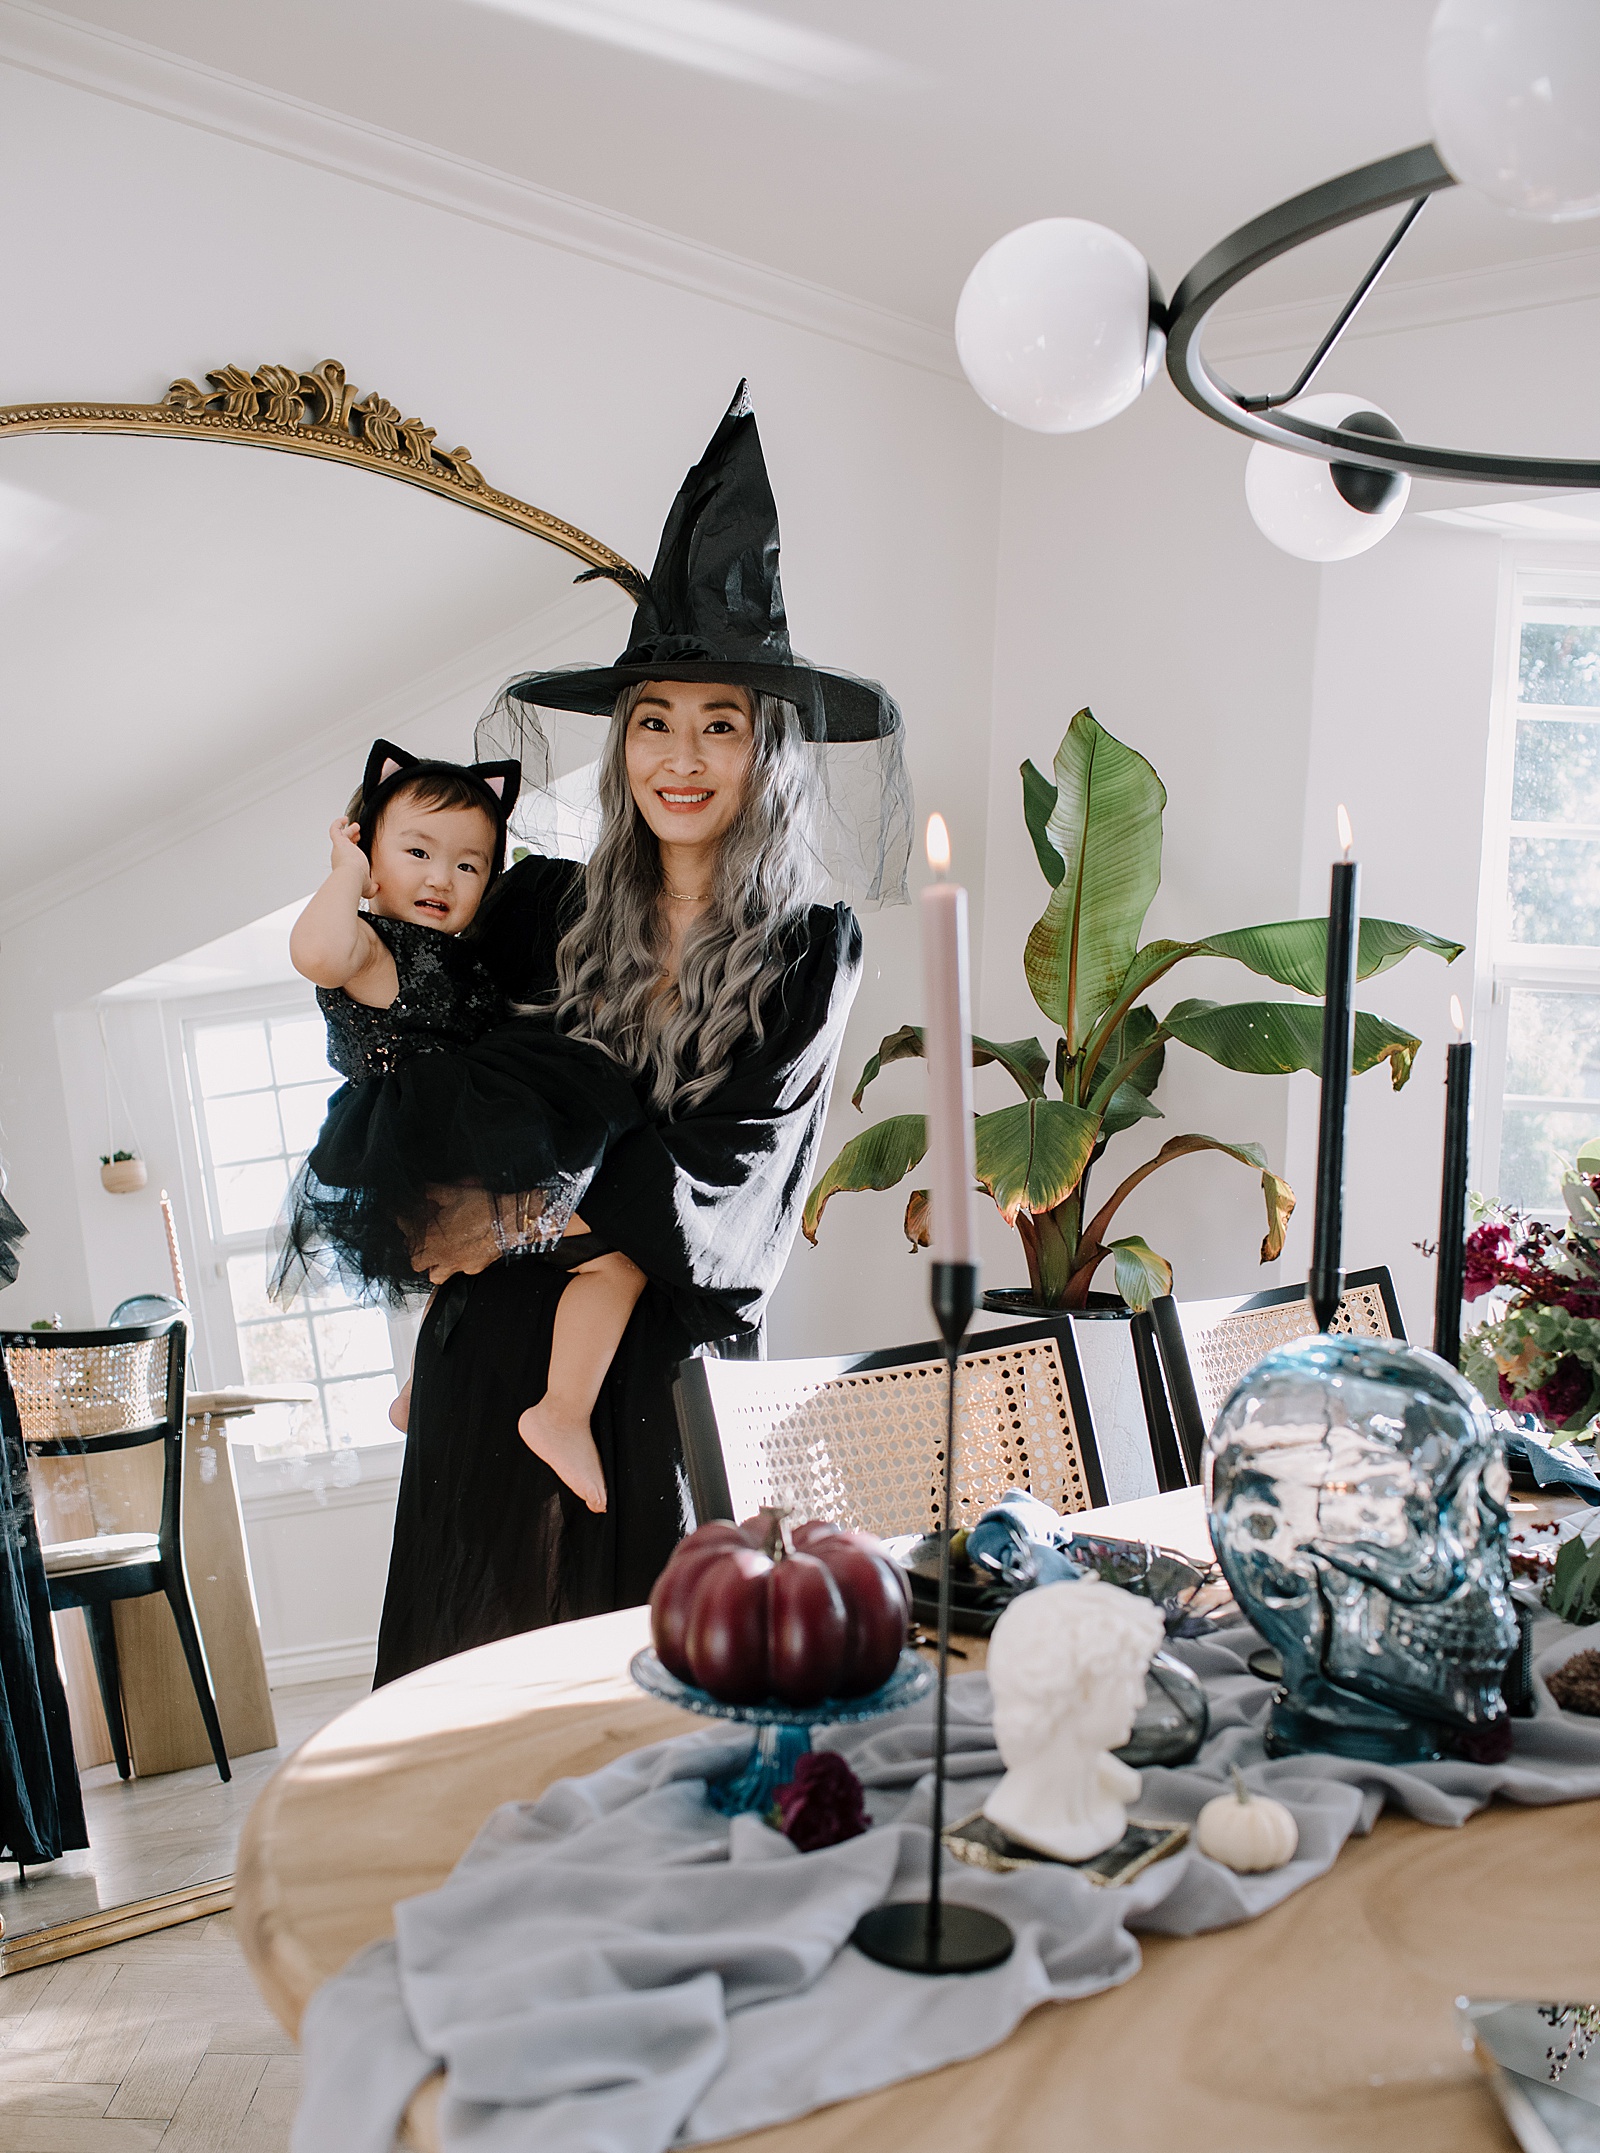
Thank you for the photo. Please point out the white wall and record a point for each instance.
(159, 248)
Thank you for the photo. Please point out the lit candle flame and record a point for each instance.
(938, 845)
(1456, 1018)
(1346, 834)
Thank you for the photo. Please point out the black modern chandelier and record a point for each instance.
(1061, 324)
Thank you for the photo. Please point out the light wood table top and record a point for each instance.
(1325, 2026)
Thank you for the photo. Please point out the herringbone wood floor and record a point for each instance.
(161, 2042)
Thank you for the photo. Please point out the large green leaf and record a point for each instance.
(1031, 1157)
(1127, 1105)
(1276, 1192)
(1275, 1038)
(1106, 827)
(1131, 1059)
(876, 1159)
(1141, 1273)
(1038, 805)
(1023, 1059)
(1295, 952)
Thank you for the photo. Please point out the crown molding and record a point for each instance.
(107, 64)
(1406, 305)
(470, 679)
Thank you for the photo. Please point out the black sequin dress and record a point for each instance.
(447, 1091)
(487, 1540)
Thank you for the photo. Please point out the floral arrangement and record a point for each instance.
(822, 1805)
(1538, 1349)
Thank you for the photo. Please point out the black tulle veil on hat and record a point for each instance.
(712, 609)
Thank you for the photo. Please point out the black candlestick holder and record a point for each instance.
(924, 1936)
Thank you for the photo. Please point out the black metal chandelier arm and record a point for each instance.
(1410, 176)
(1346, 315)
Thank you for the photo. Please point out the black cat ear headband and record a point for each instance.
(389, 767)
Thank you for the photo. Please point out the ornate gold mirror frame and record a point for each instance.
(320, 413)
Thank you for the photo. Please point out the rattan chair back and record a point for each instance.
(1209, 1347)
(72, 1389)
(860, 1439)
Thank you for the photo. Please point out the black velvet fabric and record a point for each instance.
(41, 1807)
(487, 1541)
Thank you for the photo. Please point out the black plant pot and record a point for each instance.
(1020, 1301)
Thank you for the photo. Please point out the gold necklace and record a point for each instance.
(684, 897)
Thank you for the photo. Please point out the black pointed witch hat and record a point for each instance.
(712, 607)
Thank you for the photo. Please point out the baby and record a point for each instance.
(406, 1004)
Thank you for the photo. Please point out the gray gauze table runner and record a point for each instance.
(615, 1968)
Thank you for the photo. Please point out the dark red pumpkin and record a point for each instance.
(754, 1612)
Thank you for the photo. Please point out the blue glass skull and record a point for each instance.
(1357, 1496)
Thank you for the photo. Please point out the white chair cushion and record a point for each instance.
(109, 1552)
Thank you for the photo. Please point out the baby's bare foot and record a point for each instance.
(567, 1447)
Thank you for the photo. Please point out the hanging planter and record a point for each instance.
(122, 1173)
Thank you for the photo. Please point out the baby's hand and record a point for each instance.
(347, 853)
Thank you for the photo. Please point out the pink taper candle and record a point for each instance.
(947, 1045)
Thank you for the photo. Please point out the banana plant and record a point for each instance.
(1097, 833)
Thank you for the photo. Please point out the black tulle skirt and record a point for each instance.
(487, 1541)
(519, 1122)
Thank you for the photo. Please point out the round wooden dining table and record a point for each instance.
(1325, 2026)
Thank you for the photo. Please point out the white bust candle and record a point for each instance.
(947, 1046)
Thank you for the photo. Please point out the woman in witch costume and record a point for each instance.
(734, 783)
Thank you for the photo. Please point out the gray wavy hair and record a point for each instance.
(608, 965)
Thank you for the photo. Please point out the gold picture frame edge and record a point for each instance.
(114, 1925)
(352, 433)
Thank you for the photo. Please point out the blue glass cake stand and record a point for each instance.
(783, 1732)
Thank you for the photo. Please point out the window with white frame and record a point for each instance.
(259, 1081)
(1541, 1100)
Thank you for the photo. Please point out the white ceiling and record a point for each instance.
(877, 146)
(182, 620)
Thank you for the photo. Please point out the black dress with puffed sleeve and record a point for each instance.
(706, 1202)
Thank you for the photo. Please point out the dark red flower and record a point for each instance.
(1487, 1250)
(1567, 1393)
(822, 1804)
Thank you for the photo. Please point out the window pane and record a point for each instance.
(1558, 771)
(232, 1057)
(243, 1127)
(1559, 663)
(1553, 1045)
(1534, 1149)
(250, 1197)
(247, 1287)
(277, 1352)
(1554, 886)
(302, 1110)
(354, 1342)
(300, 1049)
(359, 1412)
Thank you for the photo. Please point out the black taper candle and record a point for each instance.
(926, 1936)
(1453, 1204)
(1326, 1283)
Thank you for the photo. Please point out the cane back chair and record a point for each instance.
(83, 1394)
(1207, 1347)
(859, 1438)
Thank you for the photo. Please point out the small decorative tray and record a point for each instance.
(978, 1841)
(783, 1732)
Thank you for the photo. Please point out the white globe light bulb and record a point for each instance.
(1053, 326)
(1514, 95)
(1305, 505)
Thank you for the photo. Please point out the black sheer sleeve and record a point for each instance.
(522, 919)
(708, 1204)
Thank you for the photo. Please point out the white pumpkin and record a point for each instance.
(1247, 1832)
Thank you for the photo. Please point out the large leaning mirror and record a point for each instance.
(202, 638)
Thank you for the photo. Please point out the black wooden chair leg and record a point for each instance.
(194, 1653)
(103, 1644)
